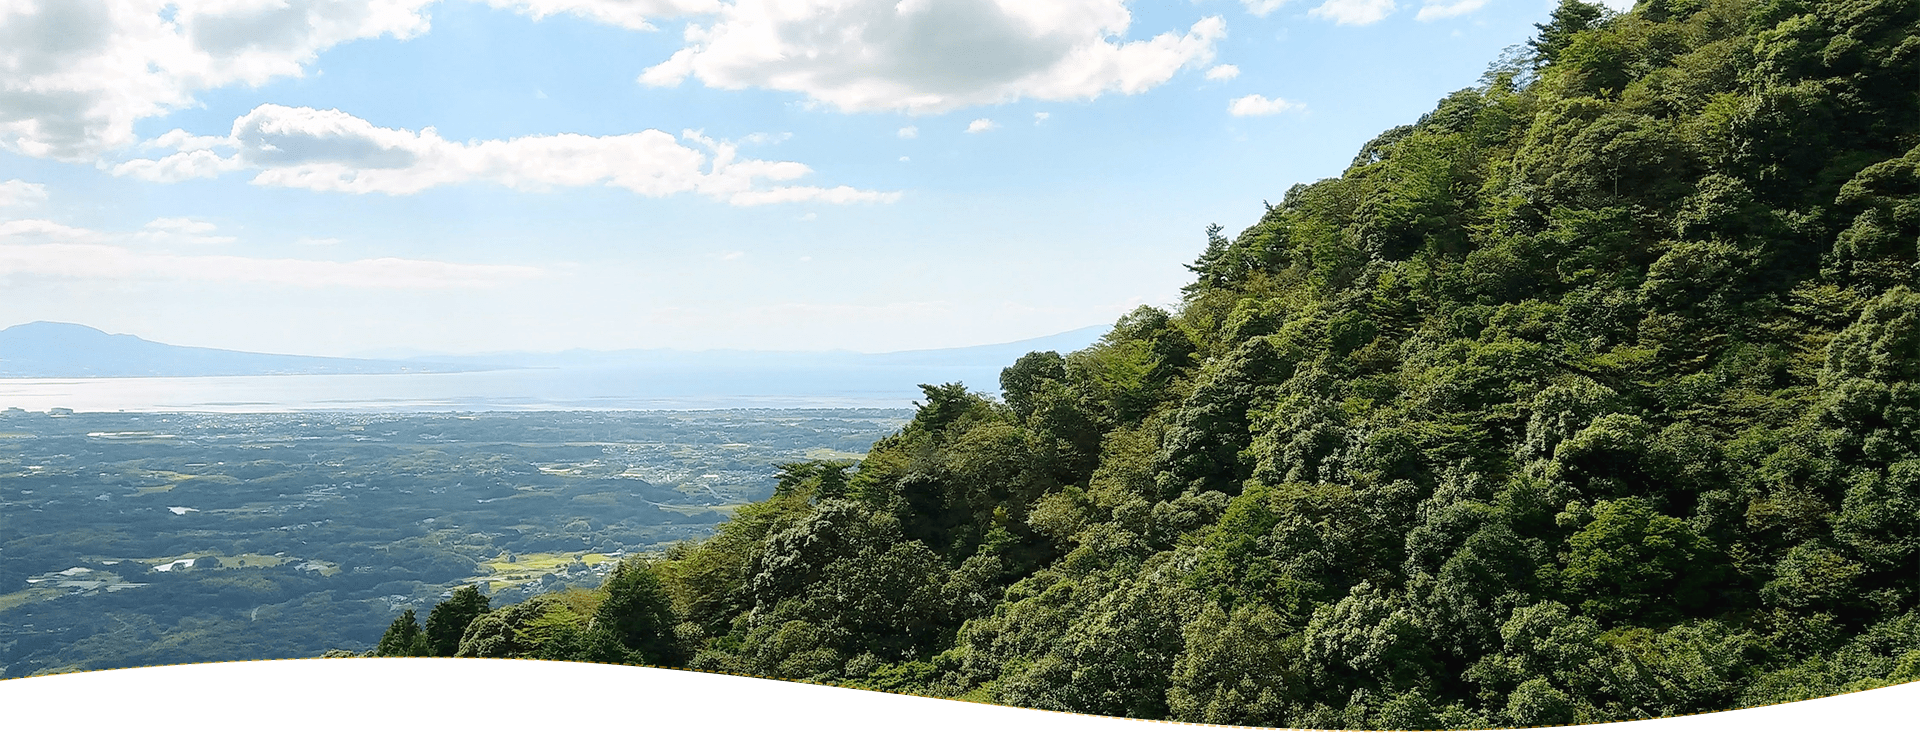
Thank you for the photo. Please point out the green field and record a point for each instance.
(325, 695)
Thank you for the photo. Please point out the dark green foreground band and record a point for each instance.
(505, 695)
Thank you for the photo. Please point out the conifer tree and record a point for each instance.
(449, 619)
(403, 639)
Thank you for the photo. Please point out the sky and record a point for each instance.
(346, 177)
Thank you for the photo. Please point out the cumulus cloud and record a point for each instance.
(1437, 11)
(330, 150)
(180, 166)
(80, 72)
(981, 125)
(927, 56)
(21, 193)
(1262, 8)
(1223, 72)
(909, 132)
(1254, 105)
(39, 248)
(1039, 117)
(1354, 12)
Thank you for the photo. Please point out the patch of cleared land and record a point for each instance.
(829, 454)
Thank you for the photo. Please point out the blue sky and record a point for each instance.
(344, 176)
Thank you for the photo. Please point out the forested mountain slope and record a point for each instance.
(1591, 395)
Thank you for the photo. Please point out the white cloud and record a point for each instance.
(632, 14)
(68, 252)
(921, 56)
(182, 230)
(330, 150)
(1262, 8)
(1254, 105)
(981, 125)
(181, 225)
(30, 229)
(1223, 72)
(178, 139)
(1039, 117)
(180, 166)
(909, 132)
(80, 72)
(21, 193)
(1354, 12)
(1437, 11)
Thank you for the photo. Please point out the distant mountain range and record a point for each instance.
(62, 350)
(991, 355)
(65, 350)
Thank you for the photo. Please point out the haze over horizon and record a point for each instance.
(1071, 336)
(47, 365)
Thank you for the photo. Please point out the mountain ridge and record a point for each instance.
(988, 353)
(55, 350)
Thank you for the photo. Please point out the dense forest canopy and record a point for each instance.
(1591, 395)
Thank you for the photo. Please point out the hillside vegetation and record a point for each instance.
(1592, 395)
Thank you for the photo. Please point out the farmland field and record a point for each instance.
(153, 538)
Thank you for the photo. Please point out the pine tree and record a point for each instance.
(403, 639)
(449, 619)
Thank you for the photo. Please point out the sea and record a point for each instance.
(610, 388)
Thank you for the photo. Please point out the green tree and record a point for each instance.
(1569, 19)
(1631, 563)
(1020, 382)
(554, 627)
(639, 615)
(448, 620)
(403, 638)
(1237, 669)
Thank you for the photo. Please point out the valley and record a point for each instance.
(129, 539)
